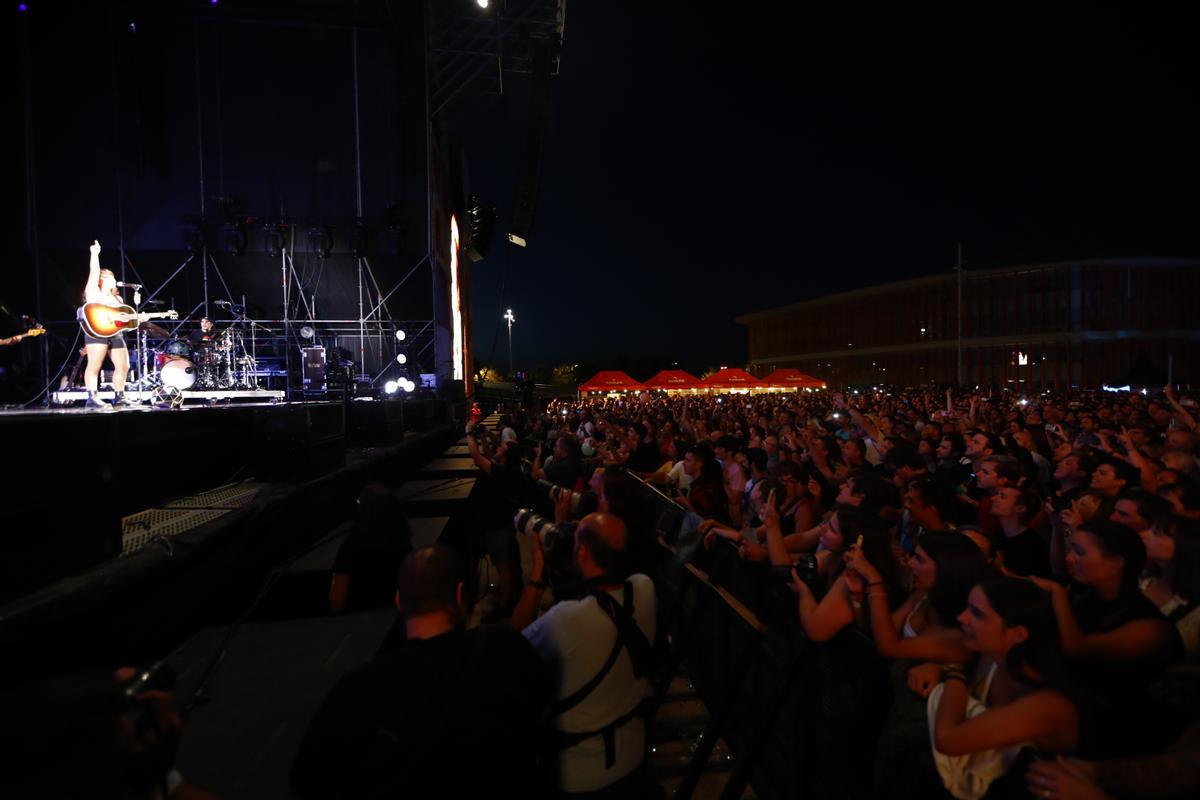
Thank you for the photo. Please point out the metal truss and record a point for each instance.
(472, 52)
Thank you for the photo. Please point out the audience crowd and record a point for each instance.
(1030, 565)
(1027, 566)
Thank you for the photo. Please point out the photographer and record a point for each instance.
(600, 646)
(494, 497)
(400, 725)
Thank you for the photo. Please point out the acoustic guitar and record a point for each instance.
(104, 321)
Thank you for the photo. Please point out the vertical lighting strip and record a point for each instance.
(455, 303)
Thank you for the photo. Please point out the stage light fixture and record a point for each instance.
(401, 358)
(193, 239)
(307, 332)
(273, 239)
(390, 387)
(320, 241)
(358, 239)
(400, 335)
(482, 3)
(235, 239)
(408, 385)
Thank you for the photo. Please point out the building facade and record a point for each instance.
(1049, 326)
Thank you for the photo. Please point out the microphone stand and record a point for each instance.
(141, 333)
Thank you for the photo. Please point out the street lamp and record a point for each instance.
(511, 319)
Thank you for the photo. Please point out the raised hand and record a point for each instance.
(857, 561)
(562, 506)
(95, 248)
(770, 512)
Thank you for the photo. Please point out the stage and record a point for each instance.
(84, 487)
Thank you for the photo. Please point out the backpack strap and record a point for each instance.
(630, 637)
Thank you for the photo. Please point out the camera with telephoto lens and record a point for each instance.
(529, 522)
(806, 568)
(558, 546)
(554, 492)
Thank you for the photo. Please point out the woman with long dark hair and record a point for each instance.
(1014, 699)
(842, 602)
(945, 568)
(1116, 640)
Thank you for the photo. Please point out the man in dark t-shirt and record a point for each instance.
(1024, 551)
(449, 713)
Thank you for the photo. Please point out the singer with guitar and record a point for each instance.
(102, 289)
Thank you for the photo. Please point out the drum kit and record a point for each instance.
(219, 361)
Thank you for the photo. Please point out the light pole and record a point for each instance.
(511, 319)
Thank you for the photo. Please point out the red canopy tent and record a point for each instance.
(611, 381)
(732, 378)
(793, 379)
(675, 380)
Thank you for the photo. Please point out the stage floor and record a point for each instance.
(189, 395)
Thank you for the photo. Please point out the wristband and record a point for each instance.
(954, 676)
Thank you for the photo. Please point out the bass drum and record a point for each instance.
(179, 373)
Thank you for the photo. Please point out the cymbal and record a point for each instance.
(157, 331)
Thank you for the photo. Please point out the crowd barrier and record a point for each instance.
(800, 717)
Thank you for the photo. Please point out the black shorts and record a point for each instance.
(114, 342)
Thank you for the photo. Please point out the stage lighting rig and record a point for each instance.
(320, 240)
(273, 239)
(235, 238)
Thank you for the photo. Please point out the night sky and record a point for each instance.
(701, 161)
(704, 162)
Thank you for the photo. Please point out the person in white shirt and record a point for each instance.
(597, 723)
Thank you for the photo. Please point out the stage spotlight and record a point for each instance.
(273, 239)
(390, 387)
(482, 3)
(307, 332)
(358, 239)
(235, 239)
(400, 336)
(320, 241)
(193, 239)
(401, 358)
(408, 385)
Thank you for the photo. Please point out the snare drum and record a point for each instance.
(179, 373)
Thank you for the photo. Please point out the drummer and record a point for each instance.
(206, 334)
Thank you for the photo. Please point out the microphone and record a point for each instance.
(224, 303)
(129, 285)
